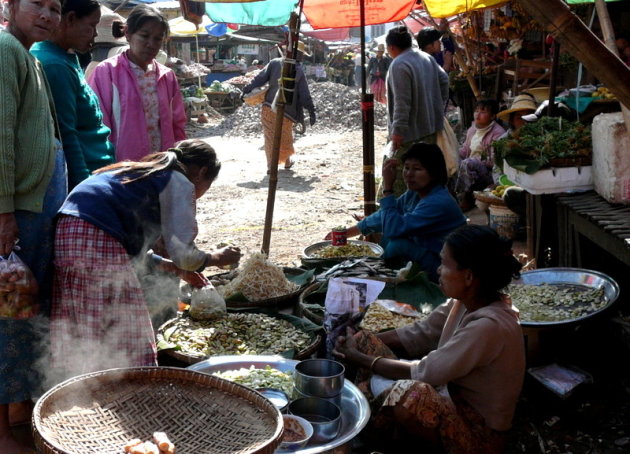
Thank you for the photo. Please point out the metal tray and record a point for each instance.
(570, 276)
(355, 409)
(308, 252)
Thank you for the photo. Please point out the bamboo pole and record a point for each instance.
(609, 39)
(286, 87)
(556, 17)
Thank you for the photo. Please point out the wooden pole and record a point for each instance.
(609, 39)
(556, 17)
(285, 96)
(367, 120)
(553, 82)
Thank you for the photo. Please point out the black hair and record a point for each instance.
(142, 14)
(186, 153)
(489, 104)
(399, 37)
(426, 36)
(81, 8)
(431, 158)
(488, 255)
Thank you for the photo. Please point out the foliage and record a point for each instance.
(537, 145)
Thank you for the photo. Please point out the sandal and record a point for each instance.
(288, 164)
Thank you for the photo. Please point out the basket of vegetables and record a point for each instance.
(548, 142)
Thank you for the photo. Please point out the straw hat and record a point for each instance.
(104, 27)
(302, 48)
(521, 102)
(380, 48)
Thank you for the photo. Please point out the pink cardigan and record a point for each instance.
(121, 103)
(493, 134)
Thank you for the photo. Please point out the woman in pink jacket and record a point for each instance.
(139, 97)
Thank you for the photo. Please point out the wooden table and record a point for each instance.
(589, 215)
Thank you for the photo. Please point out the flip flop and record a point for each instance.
(288, 164)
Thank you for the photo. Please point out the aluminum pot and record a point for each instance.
(319, 377)
(324, 416)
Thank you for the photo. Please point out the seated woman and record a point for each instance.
(475, 169)
(107, 224)
(460, 391)
(415, 224)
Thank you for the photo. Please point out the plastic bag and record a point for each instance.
(447, 142)
(18, 289)
(207, 304)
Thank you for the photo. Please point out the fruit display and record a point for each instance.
(603, 92)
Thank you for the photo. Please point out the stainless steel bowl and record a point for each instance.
(310, 250)
(277, 397)
(319, 377)
(324, 416)
(575, 277)
(297, 394)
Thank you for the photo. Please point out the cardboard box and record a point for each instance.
(552, 180)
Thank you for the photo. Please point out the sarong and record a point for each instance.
(99, 315)
(457, 425)
(286, 141)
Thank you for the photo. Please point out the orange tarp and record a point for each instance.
(346, 13)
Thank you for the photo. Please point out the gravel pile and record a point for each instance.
(337, 106)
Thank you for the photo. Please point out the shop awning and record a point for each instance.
(327, 34)
(446, 8)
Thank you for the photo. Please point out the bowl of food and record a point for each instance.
(324, 416)
(297, 432)
(319, 377)
(353, 248)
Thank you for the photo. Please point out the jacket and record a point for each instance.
(301, 97)
(27, 131)
(84, 136)
(115, 84)
(417, 90)
(495, 133)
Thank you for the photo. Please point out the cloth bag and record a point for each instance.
(447, 141)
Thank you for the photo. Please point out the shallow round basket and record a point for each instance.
(311, 315)
(575, 277)
(276, 302)
(102, 411)
(310, 261)
(487, 197)
(188, 358)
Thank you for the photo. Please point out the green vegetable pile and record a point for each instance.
(544, 143)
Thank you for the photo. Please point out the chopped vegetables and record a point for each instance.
(348, 250)
(260, 378)
(554, 302)
(237, 334)
(258, 280)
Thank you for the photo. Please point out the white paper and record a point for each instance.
(351, 295)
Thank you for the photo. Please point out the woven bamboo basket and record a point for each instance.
(100, 412)
(188, 358)
(304, 310)
(487, 197)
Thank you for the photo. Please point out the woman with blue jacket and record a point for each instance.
(415, 224)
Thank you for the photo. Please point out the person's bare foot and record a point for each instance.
(11, 446)
(289, 163)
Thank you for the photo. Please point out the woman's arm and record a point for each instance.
(178, 110)
(101, 82)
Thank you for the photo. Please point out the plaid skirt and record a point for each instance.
(421, 409)
(286, 141)
(99, 315)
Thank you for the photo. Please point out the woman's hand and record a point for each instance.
(346, 346)
(225, 256)
(197, 280)
(350, 232)
(8, 233)
(389, 173)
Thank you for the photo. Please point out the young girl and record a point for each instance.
(140, 97)
(475, 169)
(32, 187)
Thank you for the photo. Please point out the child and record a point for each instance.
(475, 169)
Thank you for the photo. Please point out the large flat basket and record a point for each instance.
(100, 412)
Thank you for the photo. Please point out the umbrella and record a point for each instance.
(320, 14)
(446, 8)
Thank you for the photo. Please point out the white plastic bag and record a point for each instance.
(207, 304)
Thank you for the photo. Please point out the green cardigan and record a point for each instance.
(84, 136)
(27, 132)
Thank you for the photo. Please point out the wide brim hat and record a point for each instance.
(521, 102)
(380, 48)
(104, 27)
(302, 48)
